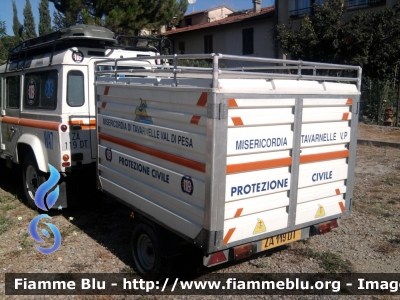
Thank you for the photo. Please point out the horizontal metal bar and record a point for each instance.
(241, 58)
(237, 73)
(282, 68)
(185, 68)
(290, 76)
(283, 61)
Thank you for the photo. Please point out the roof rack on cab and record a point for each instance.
(79, 35)
(144, 43)
(89, 36)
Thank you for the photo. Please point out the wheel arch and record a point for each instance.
(31, 143)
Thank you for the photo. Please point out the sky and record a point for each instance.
(6, 12)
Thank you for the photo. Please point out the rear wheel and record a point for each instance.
(147, 254)
(32, 178)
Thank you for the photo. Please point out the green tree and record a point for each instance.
(44, 17)
(68, 13)
(29, 21)
(319, 36)
(370, 40)
(121, 16)
(17, 27)
(6, 42)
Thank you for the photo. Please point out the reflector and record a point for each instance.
(242, 251)
(217, 258)
(327, 226)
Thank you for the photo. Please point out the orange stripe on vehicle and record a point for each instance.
(106, 90)
(228, 235)
(156, 153)
(195, 120)
(237, 121)
(81, 122)
(238, 213)
(337, 191)
(103, 105)
(258, 165)
(11, 120)
(349, 101)
(345, 116)
(323, 156)
(341, 206)
(88, 127)
(39, 124)
(32, 123)
(232, 103)
(202, 100)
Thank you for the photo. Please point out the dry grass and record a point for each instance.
(385, 248)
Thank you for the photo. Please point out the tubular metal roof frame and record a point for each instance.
(242, 72)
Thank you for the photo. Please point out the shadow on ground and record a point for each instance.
(108, 222)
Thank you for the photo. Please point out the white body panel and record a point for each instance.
(151, 160)
(254, 157)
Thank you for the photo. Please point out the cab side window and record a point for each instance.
(75, 89)
(40, 90)
(13, 93)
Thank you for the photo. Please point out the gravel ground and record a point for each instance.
(96, 237)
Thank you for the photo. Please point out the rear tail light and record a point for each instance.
(64, 128)
(65, 163)
(217, 258)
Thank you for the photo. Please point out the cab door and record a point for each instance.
(77, 142)
(10, 113)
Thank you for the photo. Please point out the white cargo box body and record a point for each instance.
(224, 159)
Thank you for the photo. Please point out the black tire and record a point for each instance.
(147, 255)
(32, 178)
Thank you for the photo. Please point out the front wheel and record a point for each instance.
(147, 254)
(32, 178)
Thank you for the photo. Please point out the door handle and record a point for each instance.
(12, 128)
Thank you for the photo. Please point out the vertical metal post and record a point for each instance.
(214, 205)
(54, 48)
(175, 68)
(215, 71)
(351, 161)
(115, 69)
(299, 69)
(295, 168)
(359, 78)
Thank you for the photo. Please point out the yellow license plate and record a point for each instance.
(280, 239)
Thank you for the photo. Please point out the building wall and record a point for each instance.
(206, 17)
(227, 39)
(219, 14)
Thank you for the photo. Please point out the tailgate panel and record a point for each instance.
(261, 141)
